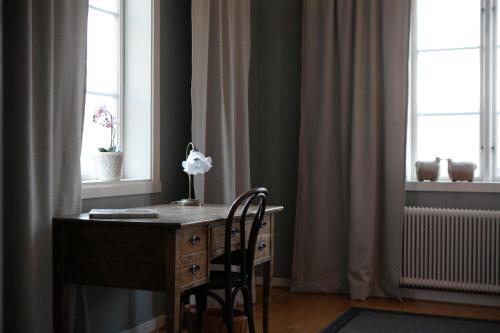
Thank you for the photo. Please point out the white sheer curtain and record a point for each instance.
(44, 43)
(1, 169)
(219, 95)
(221, 61)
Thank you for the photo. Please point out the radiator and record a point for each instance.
(451, 249)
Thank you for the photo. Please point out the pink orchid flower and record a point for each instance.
(104, 118)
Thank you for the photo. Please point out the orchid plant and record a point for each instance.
(104, 118)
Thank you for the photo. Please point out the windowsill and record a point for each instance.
(97, 189)
(448, 186)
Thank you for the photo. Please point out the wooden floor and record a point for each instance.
(309, 313)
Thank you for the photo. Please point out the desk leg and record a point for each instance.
(61, 294)
(173, 292)
(60, 289)
(267, 268)
(173, 315)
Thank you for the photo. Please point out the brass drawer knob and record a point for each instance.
(194, 269)
(195, 239)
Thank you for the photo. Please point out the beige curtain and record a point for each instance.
(1, 168)
(352, 147)
(44, 44)
(221, 60)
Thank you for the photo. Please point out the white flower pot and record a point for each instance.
(109, 166)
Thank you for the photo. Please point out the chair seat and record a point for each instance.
(235, 259)
(217, 281)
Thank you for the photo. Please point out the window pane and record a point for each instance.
(448, 81)
(498, 30)
(455, 137)
(109, 5)
(496, 156)
(94, 135)
(102, 52)
(448, 23)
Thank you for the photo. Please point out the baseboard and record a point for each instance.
(151, 326)
(419, 294)
(276, 282)
(450, 297)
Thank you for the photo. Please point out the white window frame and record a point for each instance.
(487, 181)
(99, 189)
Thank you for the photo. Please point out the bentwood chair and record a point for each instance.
(251, 204)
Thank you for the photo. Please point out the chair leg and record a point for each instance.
(184, 302)
(201, 305)
(228, 310)
(247, 303)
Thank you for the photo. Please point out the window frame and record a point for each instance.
(99, 189)
(487, 114)
(495, 76)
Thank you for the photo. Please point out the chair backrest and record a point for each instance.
(250, 204)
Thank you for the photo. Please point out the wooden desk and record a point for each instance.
(170, 253)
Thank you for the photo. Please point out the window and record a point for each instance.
(103, 84)
(122, 78)
(453, 85)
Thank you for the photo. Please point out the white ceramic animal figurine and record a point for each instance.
(461, 171)
(428, 170)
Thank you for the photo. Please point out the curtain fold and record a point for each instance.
(44, 43)
(219, 93)
(1, 168)
(219, 98)
(350, 200)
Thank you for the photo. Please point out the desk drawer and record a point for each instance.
(193, 240)
(265, 227)
(263, 248)
(193, 269)
(217, 232)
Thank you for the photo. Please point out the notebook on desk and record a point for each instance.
(127, 213)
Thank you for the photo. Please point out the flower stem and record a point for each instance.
(111, 143)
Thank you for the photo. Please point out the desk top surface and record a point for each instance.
(170, 215)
